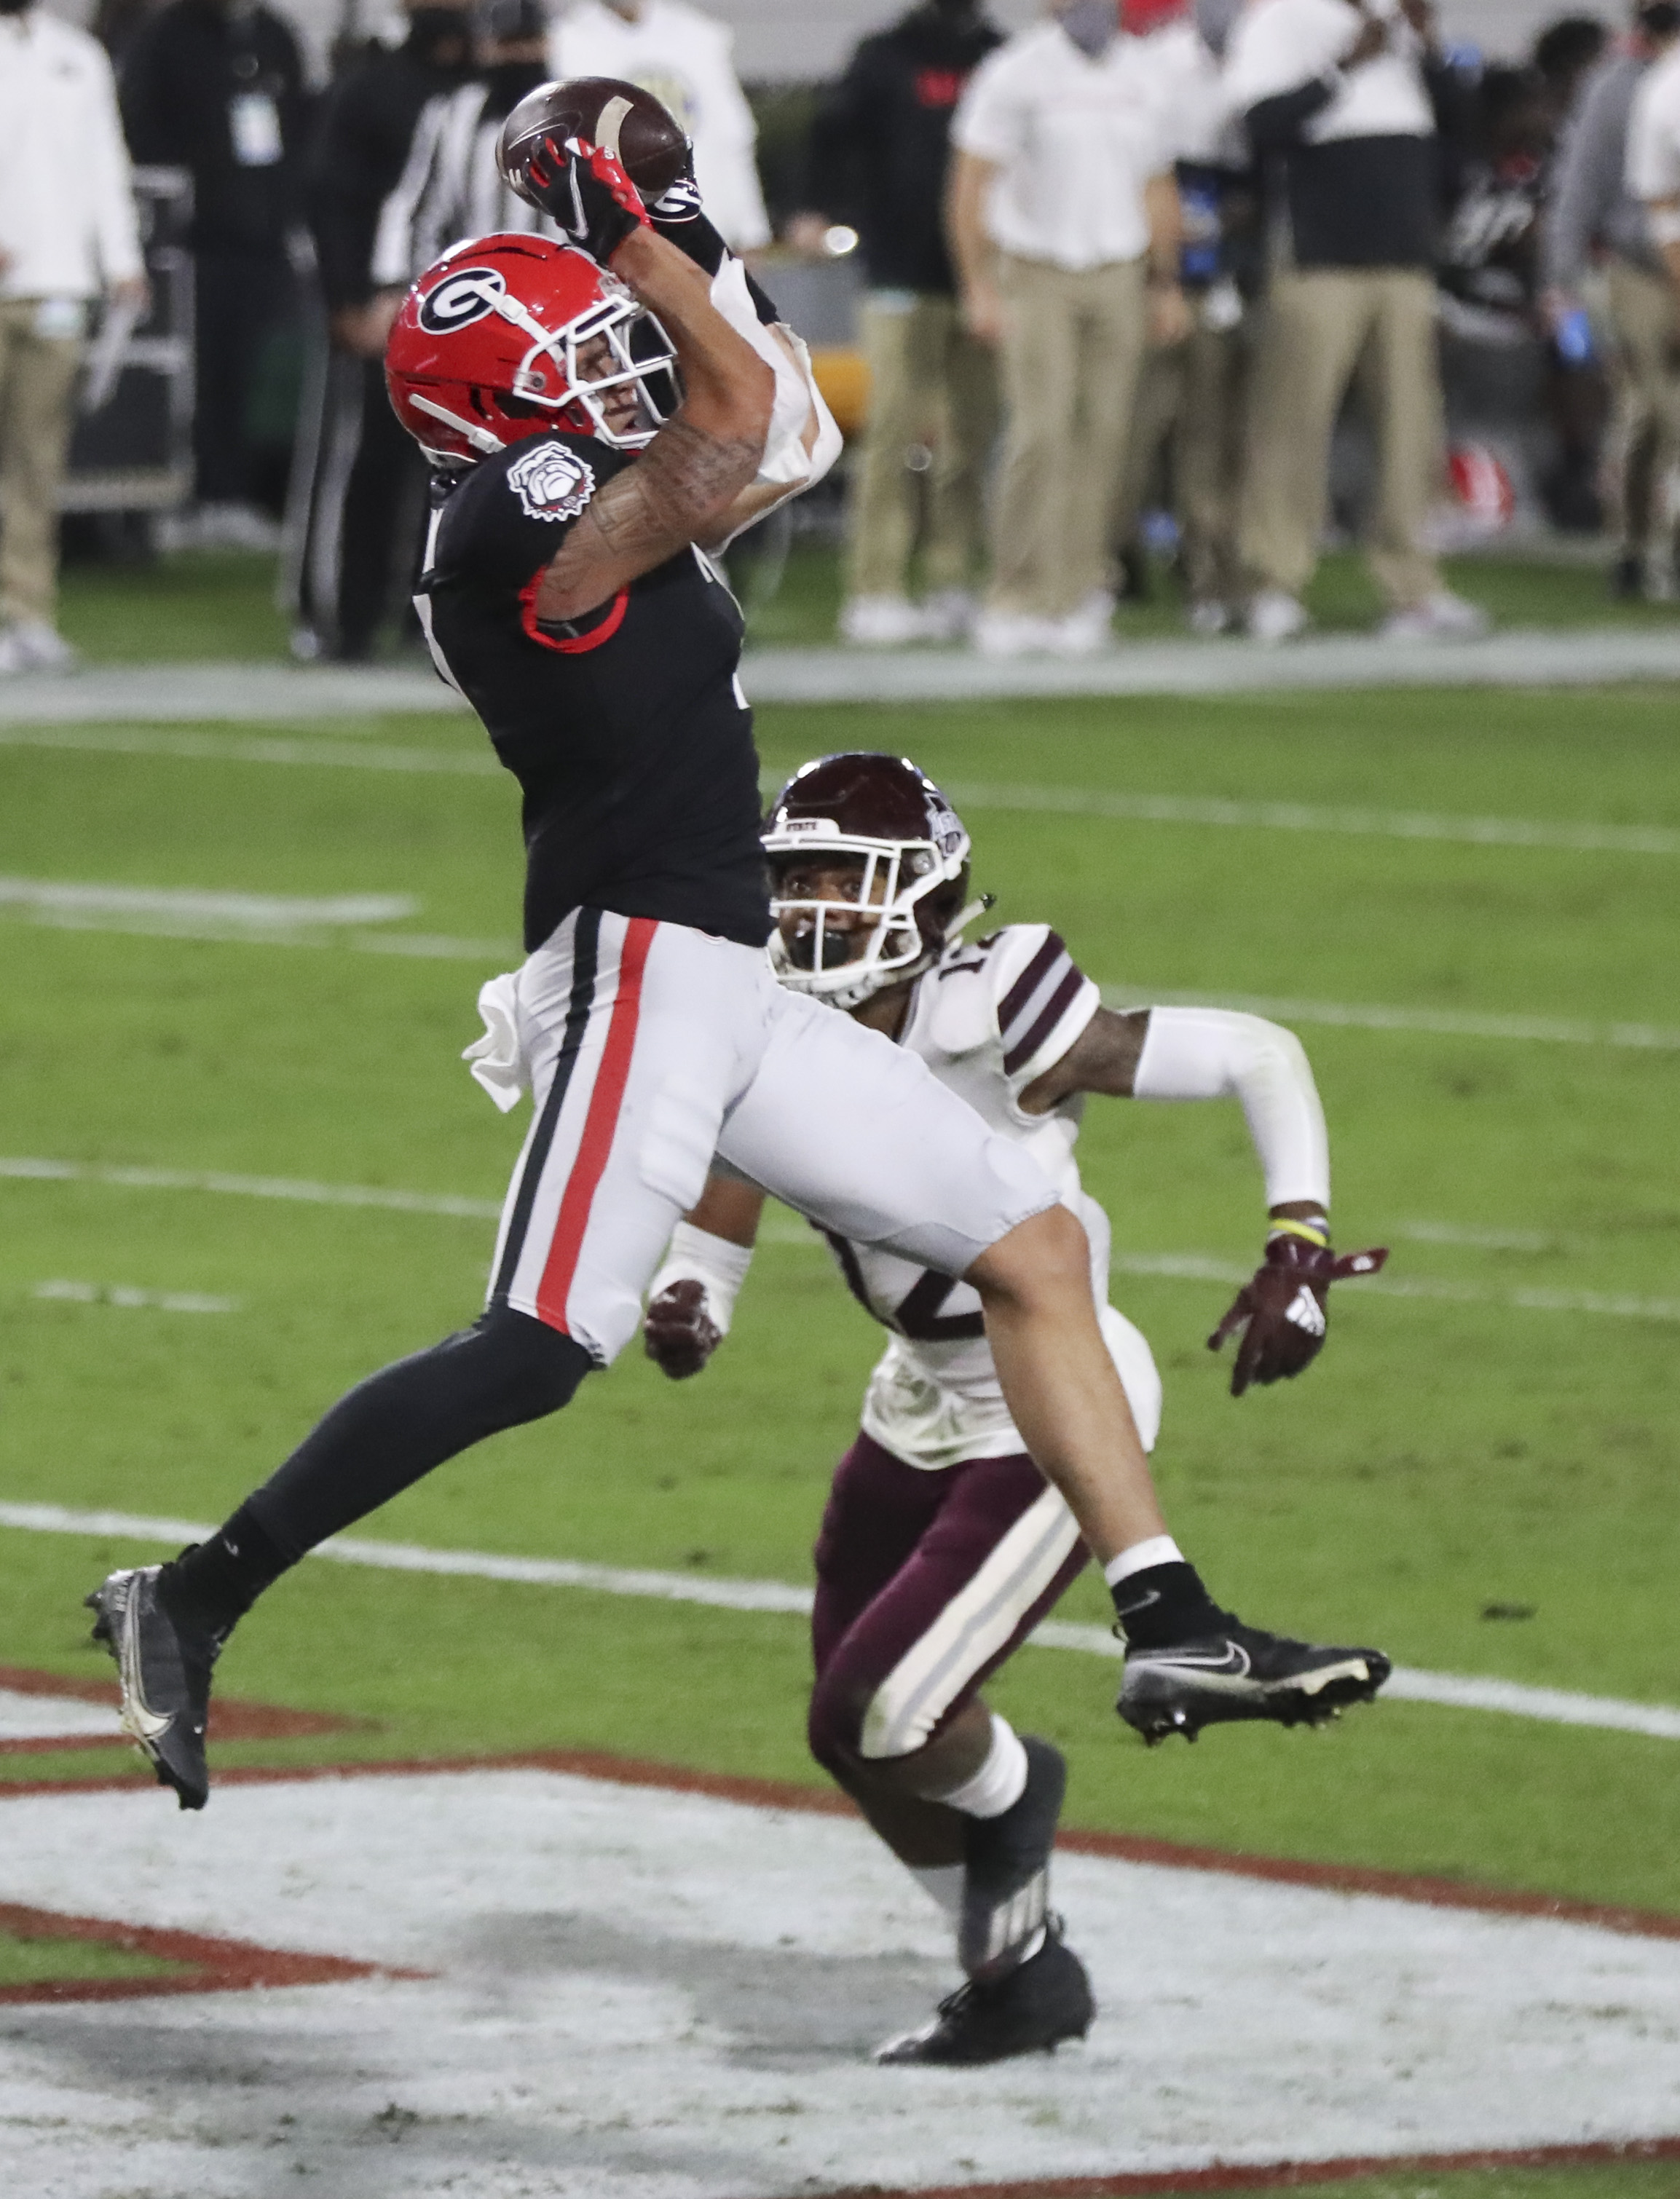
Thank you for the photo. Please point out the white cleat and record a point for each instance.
(1275, 617)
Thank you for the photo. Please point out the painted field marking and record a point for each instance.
(1577, 836)
(1457, 1691)
(1172, 1267)
(129, 1296)
(1433, 1023)
(287, 1188)
(266, 749)
(1341, 822)
(53, 900)
(641, 1937)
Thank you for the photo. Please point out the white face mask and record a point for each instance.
(1092, 25)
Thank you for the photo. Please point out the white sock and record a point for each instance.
(942, 1883)
(1158, 1550)
(1001, 1780)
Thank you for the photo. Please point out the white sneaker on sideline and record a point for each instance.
(1275, 617)
(883, 622)
(950, 613)
(218, 526)
(1086, 630)
(1209, 617)
(1440, 617)
(36, 646)
(1016, 633)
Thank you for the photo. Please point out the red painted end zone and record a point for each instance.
(208, 1965)
(229, 1720)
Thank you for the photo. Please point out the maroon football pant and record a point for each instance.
(925, 1582)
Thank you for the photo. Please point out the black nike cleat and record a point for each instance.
(1030, 2010)
(1006, 1867)
(1244, 1672)
(164, 1672)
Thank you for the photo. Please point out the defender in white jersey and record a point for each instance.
(943, 1545)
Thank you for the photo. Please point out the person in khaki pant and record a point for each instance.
(1064, 223)
(933, 410)
(880, 150)
(1340, 99)
(67, 232)
(1643, 459)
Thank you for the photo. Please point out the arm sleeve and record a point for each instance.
(1588, 182)
(987, 122)
(1276, 123)
(1216, 1053)
(116, 232)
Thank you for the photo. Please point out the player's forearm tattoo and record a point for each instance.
(686, 477)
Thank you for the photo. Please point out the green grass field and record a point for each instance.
(1446, 1455)
(204, 605)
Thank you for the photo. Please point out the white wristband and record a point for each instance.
(696, 1256)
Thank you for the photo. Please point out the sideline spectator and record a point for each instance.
(451, 186)
(1592, 212)
(880, 148)
(359, 480)
(1189, 406)
(1342, 99)
(1064, 228)
(1654, 177)
(684, 58)
(67, 232)
(217, 89)
(1565, 53)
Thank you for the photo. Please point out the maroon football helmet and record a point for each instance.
(899, 851)
(512, 335)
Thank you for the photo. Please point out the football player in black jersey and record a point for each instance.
(599, 419)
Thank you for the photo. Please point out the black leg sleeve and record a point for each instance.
(390, 1430)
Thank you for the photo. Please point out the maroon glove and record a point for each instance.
(1281, 1310)
(678, 1333)
(587, 193)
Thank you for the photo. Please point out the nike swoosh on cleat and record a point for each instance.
(144, 1725)
(1130, 1610)
(1234, 1660)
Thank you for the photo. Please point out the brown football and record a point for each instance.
(641, 133)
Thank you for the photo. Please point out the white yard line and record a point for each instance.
(54, 897)
(287, 1188)
(1341, 821)
(1458, 1691)
(1433, 1022)
(129, 1297)
(1352, 821)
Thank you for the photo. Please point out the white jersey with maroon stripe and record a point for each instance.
(988, 1019)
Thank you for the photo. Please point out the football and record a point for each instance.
(641, 134)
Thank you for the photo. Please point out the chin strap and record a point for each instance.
(975, 908)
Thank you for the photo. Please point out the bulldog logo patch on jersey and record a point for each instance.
(550, 482)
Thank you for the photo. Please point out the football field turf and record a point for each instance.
(1478, 1475)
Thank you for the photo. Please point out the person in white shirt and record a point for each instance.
(1339, 99)
(1654, 167)
(67, 236)
(683, 58)
(1064, 228)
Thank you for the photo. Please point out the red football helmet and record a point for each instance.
(904, 855)
(508, 336)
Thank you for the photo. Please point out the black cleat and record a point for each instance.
(165, 1673)
(1006, 1867)
(1244, 1673)
(1030, 2010)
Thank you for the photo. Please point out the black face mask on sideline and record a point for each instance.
(510, 81)
(433, 31)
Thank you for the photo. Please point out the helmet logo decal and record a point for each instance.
(945, 830)
(550, 482)
(460, 299)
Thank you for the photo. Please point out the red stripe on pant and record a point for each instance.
(598, 1127)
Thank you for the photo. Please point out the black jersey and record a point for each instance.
(627, 731)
